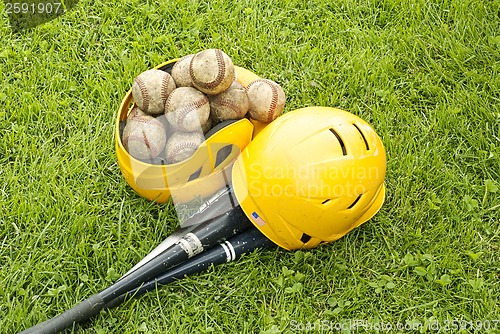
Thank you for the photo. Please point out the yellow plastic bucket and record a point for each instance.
(207, 171)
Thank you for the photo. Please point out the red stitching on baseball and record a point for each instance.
(164, 93)
(150, 145)
(134, 112)
(146, 141)
(167, 102)
(221, 66)
(144, 93)
(181, 113)
(274, 101)
(177, 149)
(229, 104)
(147, 120)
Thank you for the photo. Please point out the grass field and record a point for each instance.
(425, 75)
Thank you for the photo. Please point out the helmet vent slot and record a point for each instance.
(305, 238)
(362, 136)
(355, 201)
(341, 142)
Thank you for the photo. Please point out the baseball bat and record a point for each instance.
(221, 202)
(203, 237)
(227, 251)
(169, 241)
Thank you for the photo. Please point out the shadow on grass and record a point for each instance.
(26, 14)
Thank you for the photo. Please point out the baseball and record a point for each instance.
(267, 100)
(135, 112)
(151, 89)
(187, 109)
(144, 137)
(182, 145)
(212, 71)
(180, 72)
(233, 103)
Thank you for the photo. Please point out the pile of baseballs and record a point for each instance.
(172, 111)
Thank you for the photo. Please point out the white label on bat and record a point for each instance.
(191, 244)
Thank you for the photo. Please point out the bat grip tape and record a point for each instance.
(79, 313)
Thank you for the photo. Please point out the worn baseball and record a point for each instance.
(180, 72)
(135, 112)
(151, 89)
(267, 100)
(144, 137)
(187, 109)
(182, 145)
(212, 71)
(233, 103)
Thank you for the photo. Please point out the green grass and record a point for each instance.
(426, 76)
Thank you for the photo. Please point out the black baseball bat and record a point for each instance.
(220, 203)
(203, 237)
(227, 251)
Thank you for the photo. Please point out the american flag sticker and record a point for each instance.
(257, 219)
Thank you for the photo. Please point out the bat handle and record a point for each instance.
(79, 313)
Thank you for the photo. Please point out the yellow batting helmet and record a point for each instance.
(311, 176)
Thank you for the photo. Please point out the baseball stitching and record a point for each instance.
(181, 113)
(144, 93)
(144, 120)
(274, 102)
(165, 83)
(133, 113)
(229, 104)
(149, 144)
(221, 66)
(179, 147)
